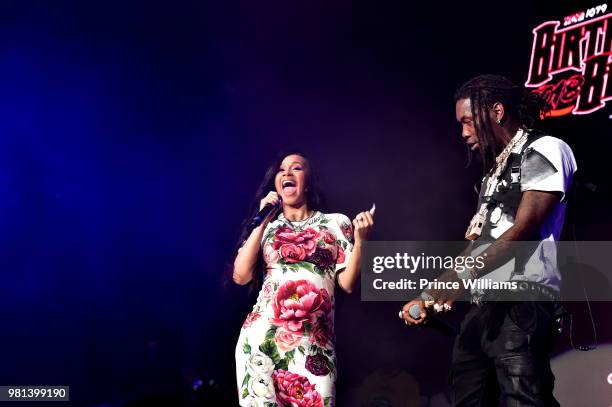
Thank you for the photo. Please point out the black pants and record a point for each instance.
(503, 349)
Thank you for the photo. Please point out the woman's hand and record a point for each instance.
(245, 261)
(272, 198)
(362, 225)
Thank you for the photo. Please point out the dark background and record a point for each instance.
(134, 134)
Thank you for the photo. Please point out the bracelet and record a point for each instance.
(426, 297)
(467, 274)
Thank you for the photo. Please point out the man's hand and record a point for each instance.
(405, 312)
(448, 296)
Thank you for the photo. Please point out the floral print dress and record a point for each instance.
(285, 354)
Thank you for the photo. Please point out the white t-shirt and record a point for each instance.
(558, 168)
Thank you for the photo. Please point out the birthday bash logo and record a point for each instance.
(570, 65)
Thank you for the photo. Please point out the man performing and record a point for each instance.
(503, 346)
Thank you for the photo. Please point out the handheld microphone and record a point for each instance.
(415, 311)
(261, 215)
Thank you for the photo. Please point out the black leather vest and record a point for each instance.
(507, 195)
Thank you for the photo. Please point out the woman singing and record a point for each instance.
(285, 354)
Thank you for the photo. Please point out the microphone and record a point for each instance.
(261, 215)
(415, 311)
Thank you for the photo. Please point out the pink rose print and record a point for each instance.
(287, 340)
(284, 234)
(340, 259)
(299, 302)
(268, 290)
(309, 242)
(252, 317)
(295, 391)
(295, 246)
(292, 253)
(347, 231)
(328, 237)
(270, 254)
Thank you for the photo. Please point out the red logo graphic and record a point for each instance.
(570, 66)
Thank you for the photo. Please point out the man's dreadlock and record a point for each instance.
(483, 92)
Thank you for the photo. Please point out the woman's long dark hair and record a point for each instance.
(314, 199)
(484, 91)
